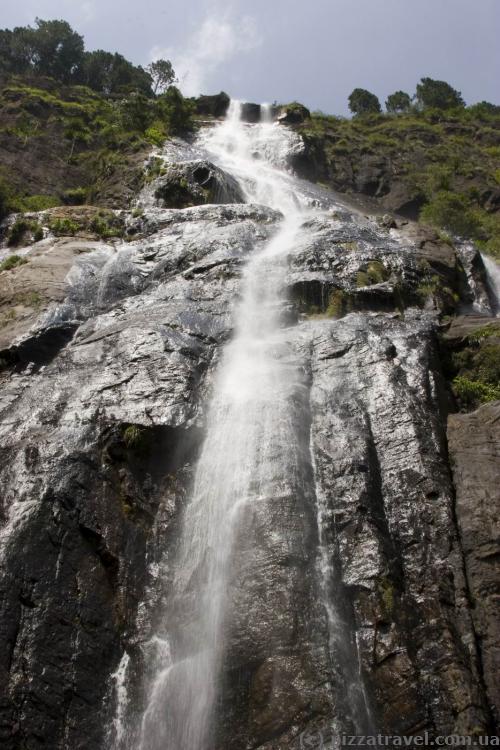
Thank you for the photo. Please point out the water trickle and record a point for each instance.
(121, 695)
(493, 276)
(266, 112)
(252, 451)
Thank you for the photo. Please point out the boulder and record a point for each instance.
(294, 114)
(195, 183)
(212, 106)
(250, 112)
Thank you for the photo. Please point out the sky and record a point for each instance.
(312, 51)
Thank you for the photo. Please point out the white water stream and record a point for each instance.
(493, 276)
(249, 453)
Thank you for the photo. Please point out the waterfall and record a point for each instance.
(251, 453)
(493, 277)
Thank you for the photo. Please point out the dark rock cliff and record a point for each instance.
(105, 384)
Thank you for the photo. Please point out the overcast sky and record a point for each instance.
(315, 51)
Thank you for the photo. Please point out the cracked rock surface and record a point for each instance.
(104, 390)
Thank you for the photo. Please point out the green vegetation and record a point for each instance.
(484, 333)
(432, 287)
(339, 304)
(451, 210)
(20, 228)
(473, 393)
(162, 75)
(12, 262)
(74, 196)
(137, 439)
(95, 110)
(54, 49)
(437, 94)
(102, 222)
(474, 368)
(400, 101)
(132, 435)
(375, 273)
(64, 227)
(97, 137)
(445, 161)
(106, 225)
(362, 102)
(385, 590)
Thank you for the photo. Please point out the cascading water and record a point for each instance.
(251, 452)
(493, 275)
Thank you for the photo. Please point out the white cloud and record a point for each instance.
(214, 43)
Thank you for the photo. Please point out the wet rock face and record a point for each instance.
(369, 174)
(214, 106)
(376, 400)
(294, 114)
(251, 112)
(99, 436)
(194, 184)
(474, 443)
(97, 449)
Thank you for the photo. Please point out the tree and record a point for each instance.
(54, 49)
(17, 54)
(57, 49)
(162, 74)
(111, 74)
(400, 101)
(137, 112)
(362, 102)
(51, 49)
(438, 94)
(484, 109)
(175, 111)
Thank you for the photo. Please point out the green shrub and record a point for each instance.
(175, 111)
(12, 262)
(38, 202)
(64, 227)
(154, 168)
(19, 229)
(156, 134)
(472, 393)
(75, 196)
(339, 304)
(375, 273)
(17, 232)
(106, 226)
(484, 333)
(137, 439)
(5, 197)
(385, 590)
(475, 368)
(451, 211)
(132, 435)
